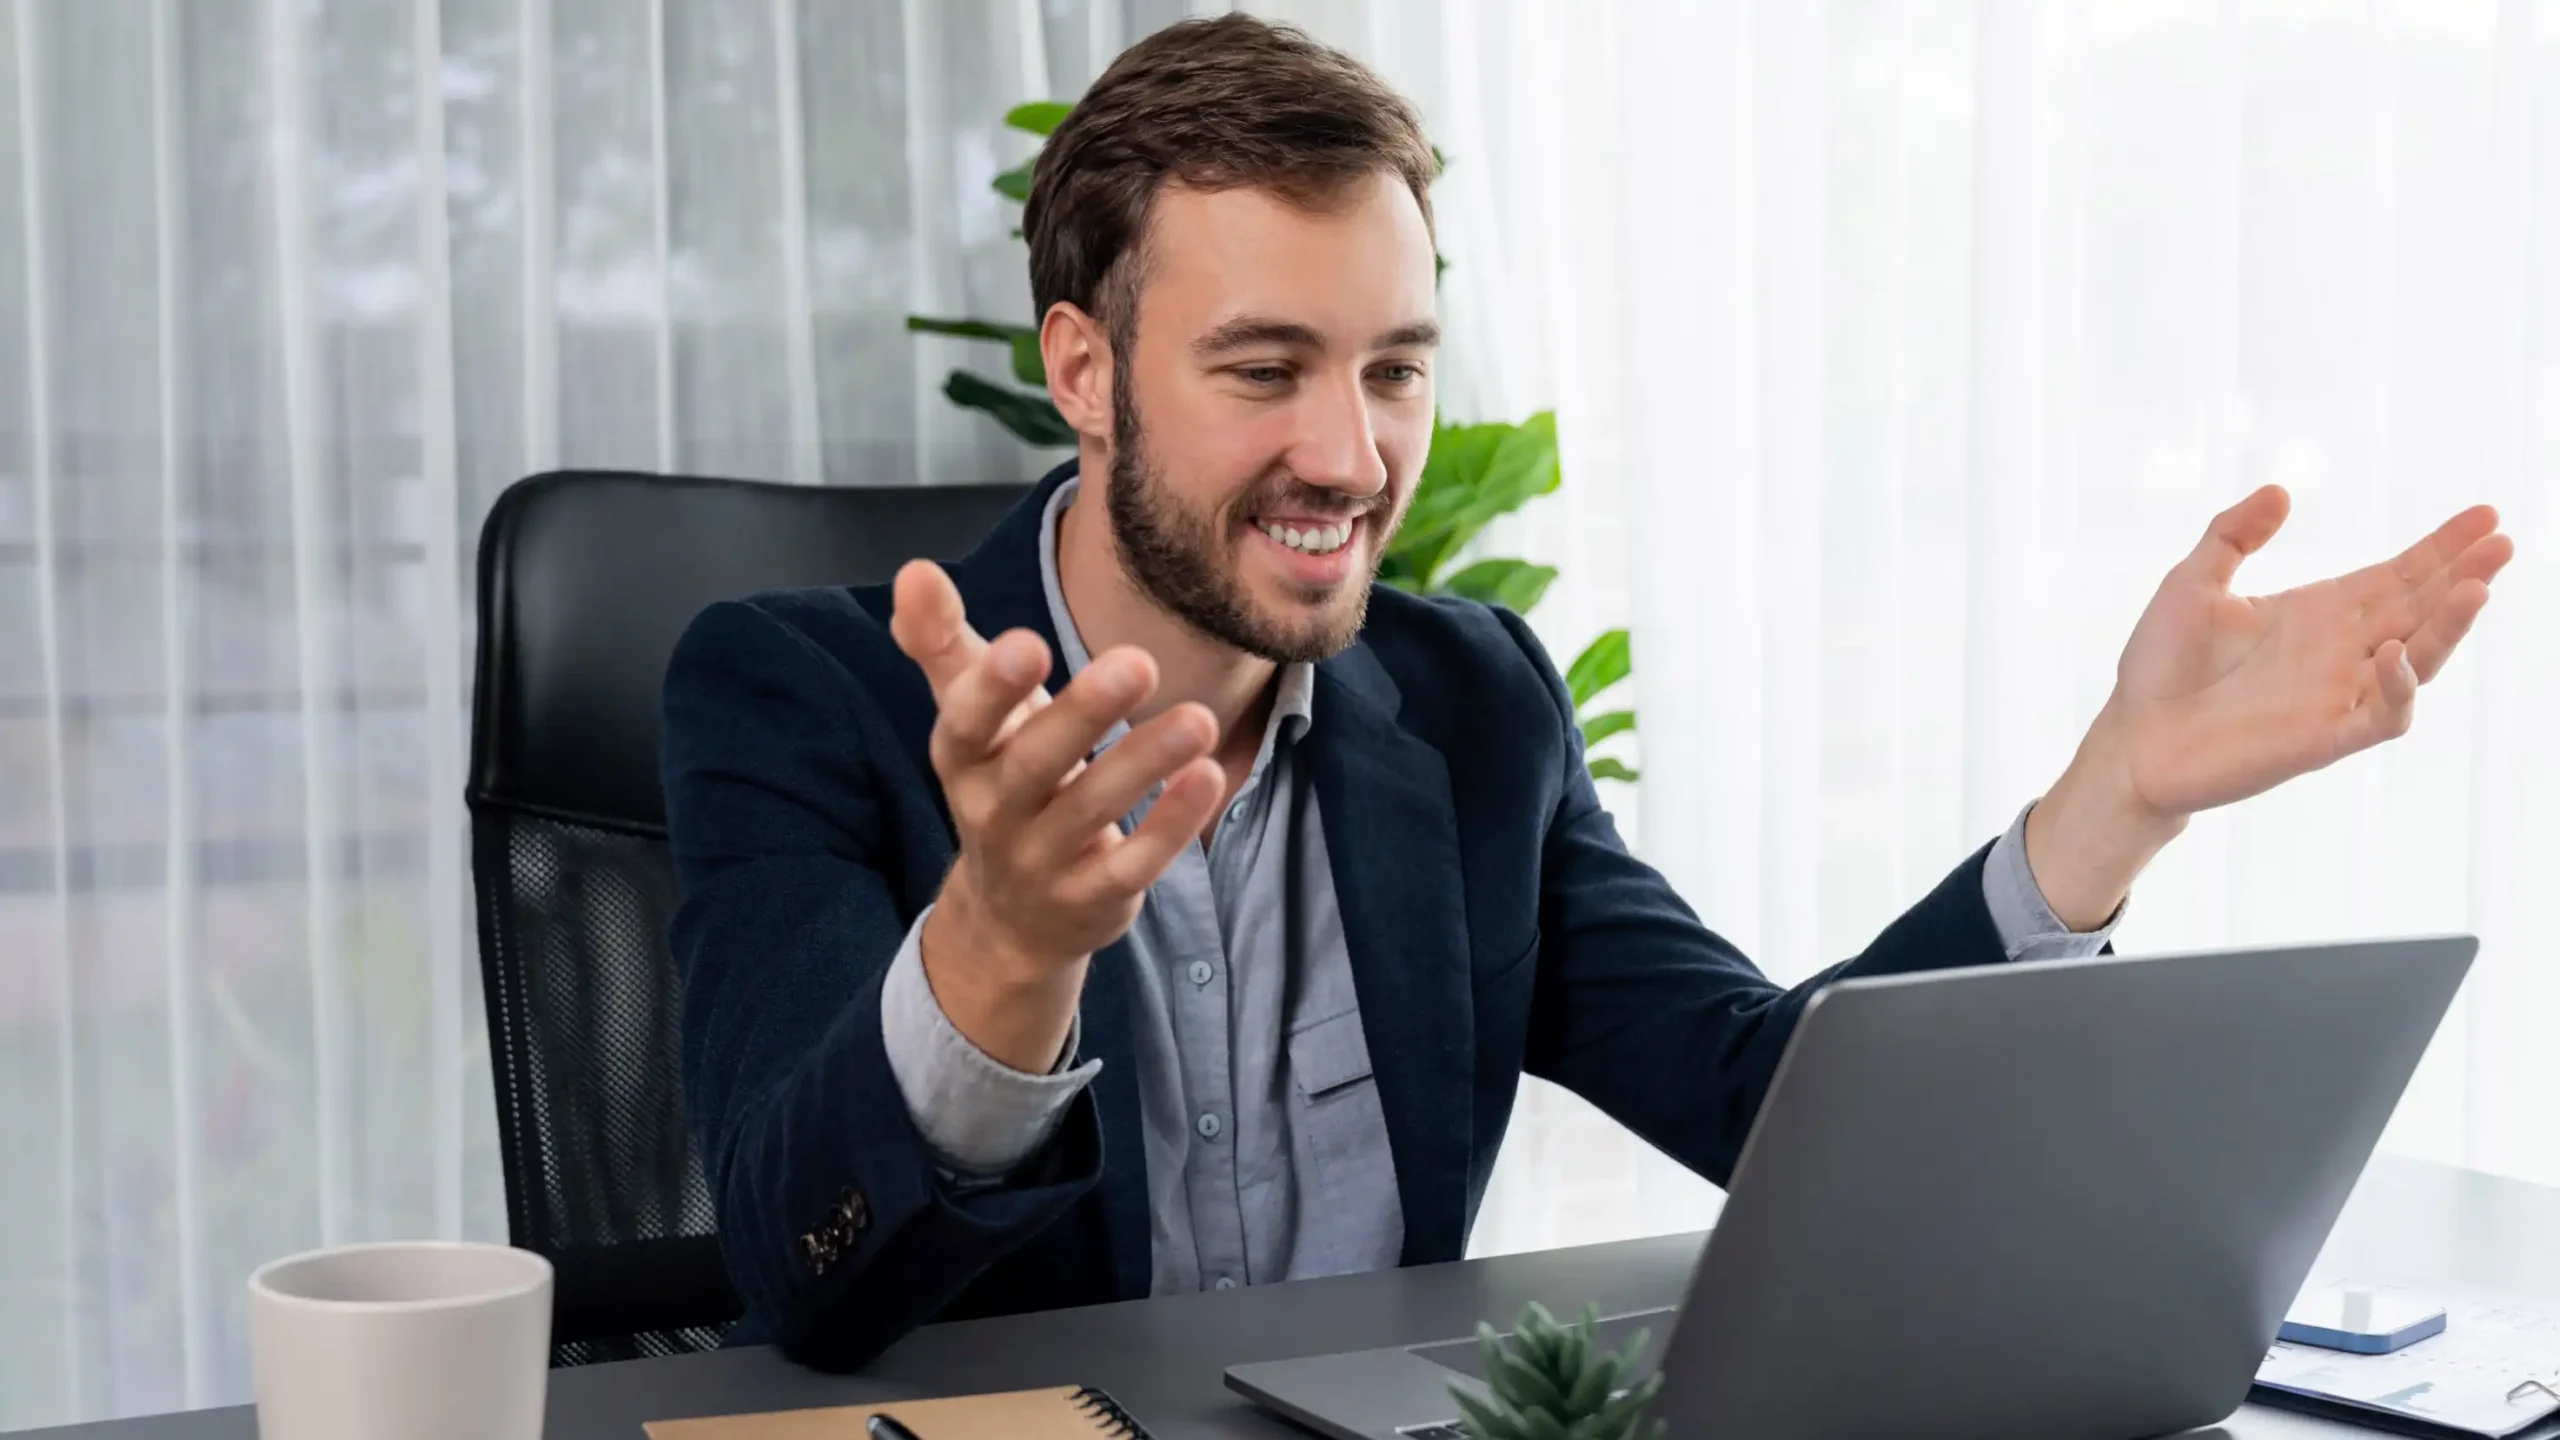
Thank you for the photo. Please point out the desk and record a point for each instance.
(2408, 1221)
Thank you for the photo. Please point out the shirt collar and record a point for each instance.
(1292, 705)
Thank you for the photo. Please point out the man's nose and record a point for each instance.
(1338, 446)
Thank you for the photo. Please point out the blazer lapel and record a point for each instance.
(1391, 829)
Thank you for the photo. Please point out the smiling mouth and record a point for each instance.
(1322, 539)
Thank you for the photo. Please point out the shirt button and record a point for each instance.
(1235, 813)
(1210, 1125)
(1226, 1282)
(1201, 973)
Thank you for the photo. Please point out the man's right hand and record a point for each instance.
(1045, 877)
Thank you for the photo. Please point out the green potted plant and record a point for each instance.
(1475, 475)
(1552, 1381)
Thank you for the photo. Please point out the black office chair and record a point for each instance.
(587, 579)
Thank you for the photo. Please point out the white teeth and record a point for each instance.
(1323, 540)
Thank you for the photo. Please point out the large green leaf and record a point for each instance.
(1027, 365)
(1030, 417)
(1516, 585)
(1022, 342)
(1596, 728)
(1524, 467)
(1610, 767)
(1038, 117)
(1460, 457)
(1474, 475)
(970, 329)
(1602, 663)
(1015, 184)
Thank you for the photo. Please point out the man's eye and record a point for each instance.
(1400, 373)
(1262, 374)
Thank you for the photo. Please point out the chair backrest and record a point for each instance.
(586, 581)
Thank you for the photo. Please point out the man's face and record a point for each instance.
(1272, 417)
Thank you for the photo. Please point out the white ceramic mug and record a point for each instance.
(416, 1340)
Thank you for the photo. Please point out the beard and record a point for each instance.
(1179, 557)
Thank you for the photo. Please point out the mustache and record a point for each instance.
(1298, 498)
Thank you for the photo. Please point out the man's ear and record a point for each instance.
(1077, 355)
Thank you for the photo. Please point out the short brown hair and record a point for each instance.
(1215, 104)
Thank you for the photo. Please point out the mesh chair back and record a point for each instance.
(586, 580)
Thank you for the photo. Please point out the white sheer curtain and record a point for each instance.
(289, 291)
(1898, 344)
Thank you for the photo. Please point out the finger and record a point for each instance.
(2402, 618)
(1191, 796)
(2444, 628)
(2412, 568)
(988, 700)
(930, 624)
(1117, 780)
(2449, 540)
(1051, 744)
(2240, 532)
(2395, 677)
(2388, 705)
(2485, 558)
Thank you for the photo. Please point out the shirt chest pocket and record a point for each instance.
(1339, 1136)
(1329, 1055)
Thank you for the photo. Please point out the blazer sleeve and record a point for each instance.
(786, 855)
(1648, 1014)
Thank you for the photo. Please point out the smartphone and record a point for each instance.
(2361, 1319)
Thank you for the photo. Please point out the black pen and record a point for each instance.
(883, 1427)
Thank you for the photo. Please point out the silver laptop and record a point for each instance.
(2041, 1201)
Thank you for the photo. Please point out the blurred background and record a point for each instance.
(1896, 348)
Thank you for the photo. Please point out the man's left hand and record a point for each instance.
(2220, 696)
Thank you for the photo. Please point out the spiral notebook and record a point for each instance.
(1074, 1412)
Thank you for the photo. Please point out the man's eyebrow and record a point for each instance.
(1246, 331)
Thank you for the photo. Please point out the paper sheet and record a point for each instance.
(2491, 1346)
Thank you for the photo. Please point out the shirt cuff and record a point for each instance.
(980, 1117)
(2029, 930)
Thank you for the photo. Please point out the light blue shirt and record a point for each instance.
(1266, 1150)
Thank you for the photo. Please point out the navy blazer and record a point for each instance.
(1496, 922)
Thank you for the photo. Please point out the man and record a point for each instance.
(1196, 929)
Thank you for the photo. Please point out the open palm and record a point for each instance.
(2223, 696)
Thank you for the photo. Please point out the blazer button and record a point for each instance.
(818, 1252)
(853, 1213)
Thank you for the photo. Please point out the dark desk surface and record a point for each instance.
(2409, 1222)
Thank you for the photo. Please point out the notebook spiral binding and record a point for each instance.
(1106, 1412)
